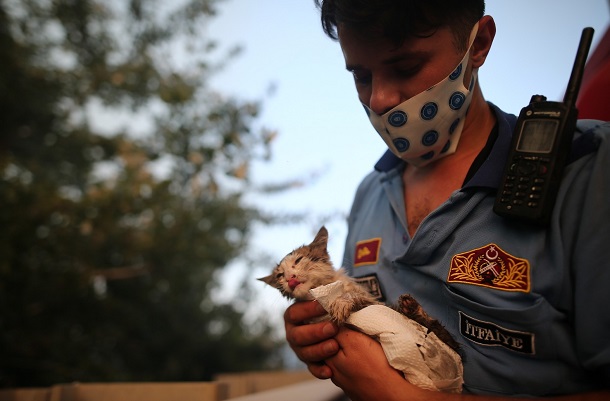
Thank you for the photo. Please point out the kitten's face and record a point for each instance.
(304, 268)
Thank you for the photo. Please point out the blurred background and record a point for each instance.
(158, 156)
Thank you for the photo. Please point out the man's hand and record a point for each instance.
(314, 342)
(362, 370)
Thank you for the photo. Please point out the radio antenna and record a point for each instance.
(571, 95)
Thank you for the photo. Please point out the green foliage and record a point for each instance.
(110, 242)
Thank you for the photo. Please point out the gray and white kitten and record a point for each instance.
(309, 266)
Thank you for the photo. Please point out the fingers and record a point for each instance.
(310, 334)
(301, 333)
(301, 312)
(315, 346)
(314, 342)
(320, 370)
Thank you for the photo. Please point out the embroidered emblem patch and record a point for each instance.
(367, 252)
(491, 267)
(490, 334)
(371, 283)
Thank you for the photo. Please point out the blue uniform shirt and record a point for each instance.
(529, 305)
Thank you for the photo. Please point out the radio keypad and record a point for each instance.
(525, 185)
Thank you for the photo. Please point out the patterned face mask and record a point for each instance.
(428, 126)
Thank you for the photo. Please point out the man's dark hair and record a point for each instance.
(397, 20)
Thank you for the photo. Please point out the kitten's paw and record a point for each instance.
(408, 306)
(341, 308)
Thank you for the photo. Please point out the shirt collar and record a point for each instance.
(491, 170)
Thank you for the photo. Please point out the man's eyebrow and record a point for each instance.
(405, 55)
(417, 54)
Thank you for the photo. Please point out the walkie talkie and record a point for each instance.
(540, 146)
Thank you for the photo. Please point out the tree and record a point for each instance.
(110, 239)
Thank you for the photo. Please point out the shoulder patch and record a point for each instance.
(491, 267)
(367, 252)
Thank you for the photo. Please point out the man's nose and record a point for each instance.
(384, 96)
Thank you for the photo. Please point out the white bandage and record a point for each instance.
(426, 361)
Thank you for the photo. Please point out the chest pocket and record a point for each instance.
(522, 344)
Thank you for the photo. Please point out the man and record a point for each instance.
(528, 304)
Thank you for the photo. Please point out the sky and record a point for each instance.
(323, 130)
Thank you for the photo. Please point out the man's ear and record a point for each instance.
(483, 41)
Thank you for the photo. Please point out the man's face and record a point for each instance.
(386, 75)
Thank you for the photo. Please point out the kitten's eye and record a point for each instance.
(296, 262)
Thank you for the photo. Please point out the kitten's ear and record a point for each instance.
(321, 239)
(267, 279)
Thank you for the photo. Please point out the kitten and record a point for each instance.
(309, 266)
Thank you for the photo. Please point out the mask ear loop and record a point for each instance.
(473, 74)
(473, 35)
